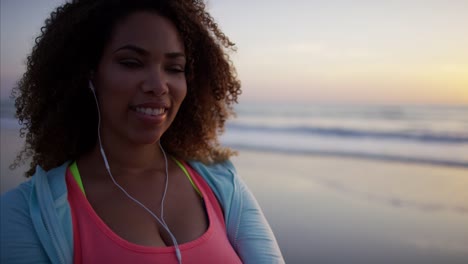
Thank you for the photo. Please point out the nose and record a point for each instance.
(155, 82)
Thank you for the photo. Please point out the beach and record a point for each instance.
(339, 210)
(345, 210)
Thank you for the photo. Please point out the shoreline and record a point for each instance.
(353, 155)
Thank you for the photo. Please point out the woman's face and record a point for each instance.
(140, 79)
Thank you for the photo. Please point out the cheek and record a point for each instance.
(114, 80)
(115, 94)
(180, 91)
(183, 93)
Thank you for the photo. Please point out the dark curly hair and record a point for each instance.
(57, 111)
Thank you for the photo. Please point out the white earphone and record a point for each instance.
(106, 163)
(91, 86)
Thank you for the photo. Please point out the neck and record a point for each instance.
(129, 159)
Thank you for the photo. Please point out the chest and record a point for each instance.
(138, 215)
(112, 228)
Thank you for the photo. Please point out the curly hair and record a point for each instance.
(56, 109)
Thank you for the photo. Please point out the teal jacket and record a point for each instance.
(36, 225)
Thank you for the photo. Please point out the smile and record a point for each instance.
(150, 111)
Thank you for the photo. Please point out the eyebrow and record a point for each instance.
(134, 48)
(141, 51)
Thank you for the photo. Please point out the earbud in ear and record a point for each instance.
(91, 86)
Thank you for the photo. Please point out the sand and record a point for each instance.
(338, 210)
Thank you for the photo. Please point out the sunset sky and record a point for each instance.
(334, 51)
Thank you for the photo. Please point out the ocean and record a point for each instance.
(435, 135)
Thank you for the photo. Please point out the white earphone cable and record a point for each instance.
(106, 163)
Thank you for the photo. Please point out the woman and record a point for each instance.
(121, 106)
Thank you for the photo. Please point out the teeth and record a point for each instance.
(150, 111)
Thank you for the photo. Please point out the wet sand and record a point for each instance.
(338, 210)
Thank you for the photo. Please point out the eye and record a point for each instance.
(176, 69)
(130, 63)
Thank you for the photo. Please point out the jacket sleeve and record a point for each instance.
(255, 241)
(19, 242)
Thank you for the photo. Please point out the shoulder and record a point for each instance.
(19, 241)
(15, 202)
(15, 206)
(223, 181)
(220, 169)
(22, 232)
(221, 177)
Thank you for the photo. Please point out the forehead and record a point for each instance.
(148, 30)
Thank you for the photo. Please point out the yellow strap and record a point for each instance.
(182, 167)
(76, 176)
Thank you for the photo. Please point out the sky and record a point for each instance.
(334, 51)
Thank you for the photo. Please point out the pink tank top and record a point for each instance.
(95, 242)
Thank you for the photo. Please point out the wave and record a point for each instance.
(420, 136)
(363, 112)
(353, 154)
